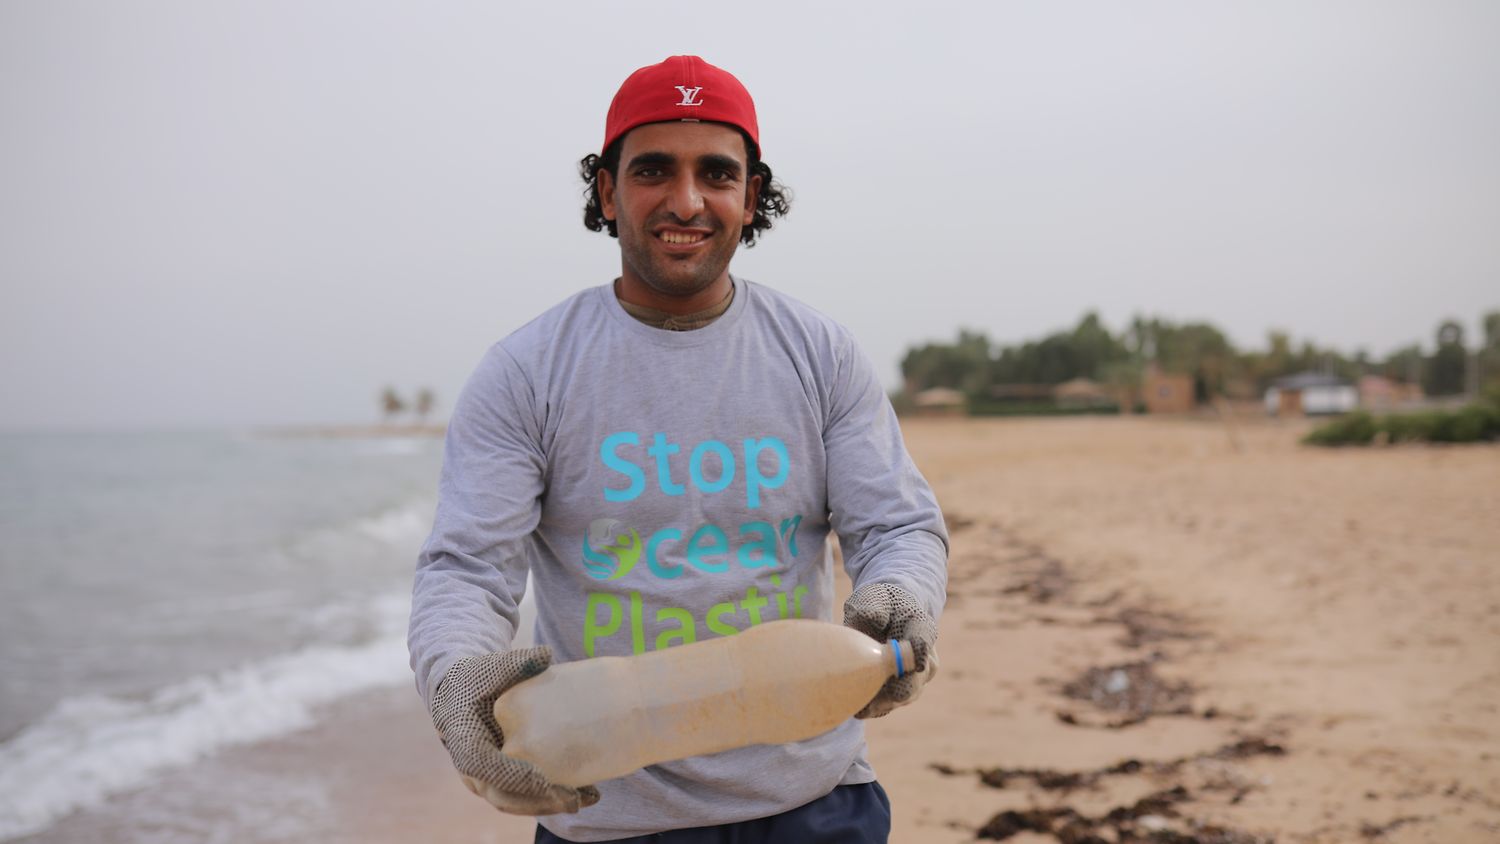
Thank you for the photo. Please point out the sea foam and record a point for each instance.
(93, 746)
(406, 525)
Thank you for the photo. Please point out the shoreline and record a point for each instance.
(350, 431)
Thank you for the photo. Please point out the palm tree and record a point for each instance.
(391, 404)
(425, 401)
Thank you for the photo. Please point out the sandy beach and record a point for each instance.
(1307, 642)
(1153, 627)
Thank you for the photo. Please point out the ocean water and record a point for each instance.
(166, 597)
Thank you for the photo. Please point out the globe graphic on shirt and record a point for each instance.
(610, 549)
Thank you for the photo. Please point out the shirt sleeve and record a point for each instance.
(471, 572)
(889, 524)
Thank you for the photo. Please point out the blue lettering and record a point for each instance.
(667, 572)
(726, 461)
(661, 450)
(789, 528)
(766, 545)
(707, 540)
(624, 467)
(754, 480)
(599, 565)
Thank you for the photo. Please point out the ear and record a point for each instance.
(752, 196)
(606, 194)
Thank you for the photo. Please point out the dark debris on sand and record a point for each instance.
(1132, 689)
(1154, 819)
(1052, 780)
(956, 522)
(1049, 779)
(1372, 831)
(1145, 627)
(1043, 582)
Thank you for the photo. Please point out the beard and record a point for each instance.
(677, 275)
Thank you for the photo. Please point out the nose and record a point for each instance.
(684, 199)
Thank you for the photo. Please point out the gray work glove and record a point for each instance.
(885, 612)
(463, 709)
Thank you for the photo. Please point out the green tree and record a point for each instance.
(1200, 349)
(1124, 377)
(961, 366)
(1489, 353)
(1405, 364)
(1445, 375)
(1279, 360)
(1195, 348)
(1095, 348)
(1083, 352)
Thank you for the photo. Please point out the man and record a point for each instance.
(667, 456)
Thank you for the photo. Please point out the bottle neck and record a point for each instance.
(900, 659)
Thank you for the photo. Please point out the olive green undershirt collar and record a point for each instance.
(675, 322)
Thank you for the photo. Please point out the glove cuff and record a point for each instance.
(885, 611)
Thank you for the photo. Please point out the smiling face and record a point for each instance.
(680, 200)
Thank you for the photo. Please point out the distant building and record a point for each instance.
(1240, 388)
(1310, 394)
(1168, 393)
(1082, 393)
(939, 401)
(1021, 393)
(1380, 394)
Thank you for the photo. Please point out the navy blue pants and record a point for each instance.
(850, 814)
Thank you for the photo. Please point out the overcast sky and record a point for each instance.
(229, 213)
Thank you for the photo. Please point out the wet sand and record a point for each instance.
(1223, 645)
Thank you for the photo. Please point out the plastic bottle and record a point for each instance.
(588, 721)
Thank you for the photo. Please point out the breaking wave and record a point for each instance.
(90, 747)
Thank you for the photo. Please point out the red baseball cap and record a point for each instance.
(680, 88)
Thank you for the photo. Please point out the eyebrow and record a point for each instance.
(664, 159)
(721, 162)
(652, 159)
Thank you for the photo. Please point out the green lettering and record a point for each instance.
(637, 625)
(715, 624)
(752, 603)
(780, 597)
(686, 632)
(797, 599)
(592, 630)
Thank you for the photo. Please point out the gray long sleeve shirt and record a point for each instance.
(666, 487)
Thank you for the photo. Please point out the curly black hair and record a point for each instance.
(775, 199)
